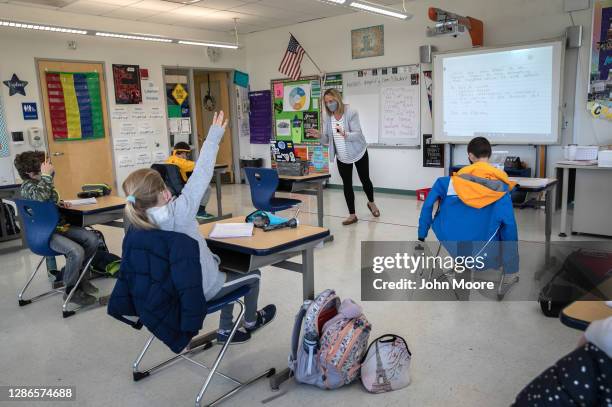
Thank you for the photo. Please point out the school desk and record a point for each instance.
(273, 248)
(546, 185)
(311, 184)
(593, 193)
(106, 211)
(9, 192)
(580, 314)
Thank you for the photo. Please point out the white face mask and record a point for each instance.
(159, 214)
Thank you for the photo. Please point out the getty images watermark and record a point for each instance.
(430, 271)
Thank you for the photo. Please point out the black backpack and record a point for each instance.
(104, 263)
(9, 220)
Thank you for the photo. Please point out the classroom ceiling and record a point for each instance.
(213, 15)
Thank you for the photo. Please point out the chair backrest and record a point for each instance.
(171, 174)
(263, 183)
(38, 220)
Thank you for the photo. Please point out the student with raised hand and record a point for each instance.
(150, 205)
(342, 131)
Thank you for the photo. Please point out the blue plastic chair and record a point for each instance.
(263, 183)
(39, 220)
(200, 343)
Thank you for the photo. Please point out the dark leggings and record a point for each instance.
(346, 173)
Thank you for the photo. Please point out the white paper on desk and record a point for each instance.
(531, 182)
(227, 230)
(84, 201)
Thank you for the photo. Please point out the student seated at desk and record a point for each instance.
(76, 243)
(475, 206)
(150, 205)
(583, 377)
(181, 158)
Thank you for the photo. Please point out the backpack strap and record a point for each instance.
(295, 336)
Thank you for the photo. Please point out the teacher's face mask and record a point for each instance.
(332, 106)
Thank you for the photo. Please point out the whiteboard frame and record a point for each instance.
(384, 145)
(465, 140)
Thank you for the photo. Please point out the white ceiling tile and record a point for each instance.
(89, 7)
(193, 11)
(156, 5)
(131, 13)
(221, 4)
(118, 2)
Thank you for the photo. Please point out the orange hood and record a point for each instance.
(477, 195)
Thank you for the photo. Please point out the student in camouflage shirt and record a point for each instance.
(76, 243)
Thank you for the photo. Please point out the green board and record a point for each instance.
(296, 108)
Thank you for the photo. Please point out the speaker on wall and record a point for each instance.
(574, 36)
(425, 53)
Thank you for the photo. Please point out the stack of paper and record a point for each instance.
(578, 162)
(227, 230)
(84, 201)
(531, 182)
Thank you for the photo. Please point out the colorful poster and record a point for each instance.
(600, 87)
(310, 121)
(282, 151)
(127, 84)
(318, 159)
(260, 117)
(75, 106)
(283, 127)
(296, 98)
(278, 90)
(4, 137)
(428, 87)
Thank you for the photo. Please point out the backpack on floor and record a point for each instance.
(582, 271)
(9, 220)
(104, 263)
(334, 341)
(386, 365)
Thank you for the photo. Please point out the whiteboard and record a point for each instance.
(510, 94)
(388, 101)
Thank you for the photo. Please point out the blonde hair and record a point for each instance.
(334, 93)
(142, 187)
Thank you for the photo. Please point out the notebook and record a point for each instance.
(228, 230)
(84, 201)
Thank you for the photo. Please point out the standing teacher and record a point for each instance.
(347, 144)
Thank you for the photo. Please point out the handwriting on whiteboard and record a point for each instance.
(399, 112)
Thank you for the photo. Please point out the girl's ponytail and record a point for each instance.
(142, 188)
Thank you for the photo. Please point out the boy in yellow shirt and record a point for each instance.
(181, 154)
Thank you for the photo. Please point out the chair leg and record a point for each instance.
(202, 345)
(213, 369)
(23, 302)
(65, 312)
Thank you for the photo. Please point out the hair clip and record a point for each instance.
(131, 199)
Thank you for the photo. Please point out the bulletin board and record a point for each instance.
(388, 100)
(75, 106)
(296, 107)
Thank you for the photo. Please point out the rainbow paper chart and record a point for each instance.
(75, 105)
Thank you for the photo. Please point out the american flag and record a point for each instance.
(292, 61)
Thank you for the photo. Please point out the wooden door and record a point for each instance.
(79, 161)
(219, 88)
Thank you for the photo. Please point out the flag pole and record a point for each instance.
(306, 53)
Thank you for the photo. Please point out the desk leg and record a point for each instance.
(218, 189)
(307, 293)
(320, 203)
(548, 210)
(564, 194)
(308, 274)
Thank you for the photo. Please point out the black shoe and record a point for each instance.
(81, 298)
(241, 336)
(264, 317)
(88, 287)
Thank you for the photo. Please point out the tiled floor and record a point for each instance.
(464, 354)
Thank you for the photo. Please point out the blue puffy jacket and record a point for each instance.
(457, 225)
(160, 282)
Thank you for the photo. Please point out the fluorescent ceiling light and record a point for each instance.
(133, 37)
(40, 27)
(207, 44)
(378, 10)
(127, 36)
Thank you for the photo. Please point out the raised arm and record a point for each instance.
(187, 204)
